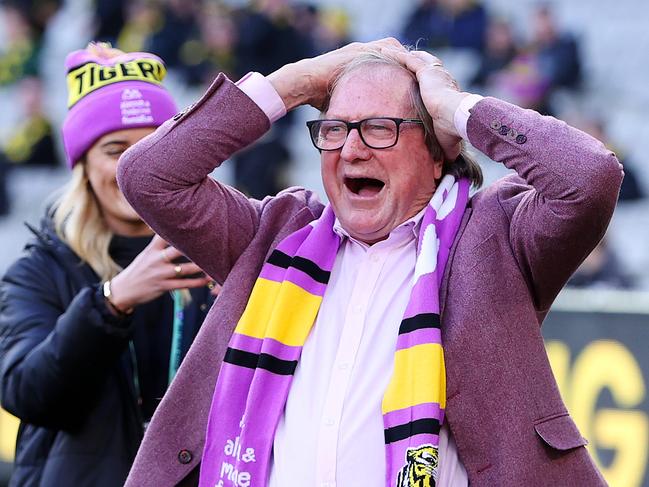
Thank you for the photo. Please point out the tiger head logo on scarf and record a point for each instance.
(420, 469)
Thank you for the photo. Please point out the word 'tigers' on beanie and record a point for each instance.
(110, 94)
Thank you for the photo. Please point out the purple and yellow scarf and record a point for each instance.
(262, 356)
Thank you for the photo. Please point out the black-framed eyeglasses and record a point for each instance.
(376, 133)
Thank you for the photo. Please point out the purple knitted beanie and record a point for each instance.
(106, 95)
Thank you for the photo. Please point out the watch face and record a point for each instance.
(106, 289)
(108, 294)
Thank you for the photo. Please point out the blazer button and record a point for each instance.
(504, 129)
(185, 110)
(521, 139)
(513, 133)
(185, 456)
(495, 124)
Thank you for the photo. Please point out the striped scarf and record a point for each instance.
(262, 356)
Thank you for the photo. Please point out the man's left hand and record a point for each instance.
(439, 92)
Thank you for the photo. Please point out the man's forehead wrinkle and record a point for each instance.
(351, 111)
(360, 114)
(348, 103)
(382, 76)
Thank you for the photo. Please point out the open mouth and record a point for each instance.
(364, 186)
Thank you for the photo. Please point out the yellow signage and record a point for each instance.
(606, 365)
(8, 431)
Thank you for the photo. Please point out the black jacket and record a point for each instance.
(67, 372)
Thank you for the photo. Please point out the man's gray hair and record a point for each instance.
(463, 166)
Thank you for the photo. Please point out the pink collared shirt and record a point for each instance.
(332, 422)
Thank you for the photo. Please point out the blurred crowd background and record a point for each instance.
(581, 60)
(571, 59)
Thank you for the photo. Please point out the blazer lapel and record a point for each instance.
(444, 289)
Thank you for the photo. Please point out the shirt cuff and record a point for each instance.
(262, 92)
(461, 117)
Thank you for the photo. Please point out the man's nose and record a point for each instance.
(354, 147)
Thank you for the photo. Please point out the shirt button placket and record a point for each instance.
(350, 341)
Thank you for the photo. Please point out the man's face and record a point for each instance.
(373, 191)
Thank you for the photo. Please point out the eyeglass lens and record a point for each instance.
(375, 132)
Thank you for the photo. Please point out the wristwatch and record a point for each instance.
(108, 294)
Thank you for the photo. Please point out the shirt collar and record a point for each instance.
(403, 232)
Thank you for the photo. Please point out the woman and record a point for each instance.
(96, 315)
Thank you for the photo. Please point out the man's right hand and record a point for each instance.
(306, 82)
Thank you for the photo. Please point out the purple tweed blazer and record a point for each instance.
(520, 240)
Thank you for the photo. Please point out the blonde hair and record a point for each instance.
(79, 222)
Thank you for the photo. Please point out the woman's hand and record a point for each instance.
(152, 273)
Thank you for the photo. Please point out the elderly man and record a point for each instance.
(390, 338)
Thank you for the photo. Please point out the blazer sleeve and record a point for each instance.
(166, 179)
(561, 208)
(54, 360)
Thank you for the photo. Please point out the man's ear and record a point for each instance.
(437, 169)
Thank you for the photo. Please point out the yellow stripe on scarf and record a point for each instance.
(282, 311)
(416, 370)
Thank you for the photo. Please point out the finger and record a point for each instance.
(190, 283)
(413, 63)
(165, 256)
(158, 242)
(169, 254)
(355, 48)
(346, 47)
(178, 271)
(215, 288)
(427, 57)
(189, 268)
(389, 42)
(434, 63)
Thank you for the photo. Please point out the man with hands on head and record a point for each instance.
(391, 337)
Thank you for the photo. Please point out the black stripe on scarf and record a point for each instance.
(310, 268)
(417, 427)
(417, 322)
(260, 361)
